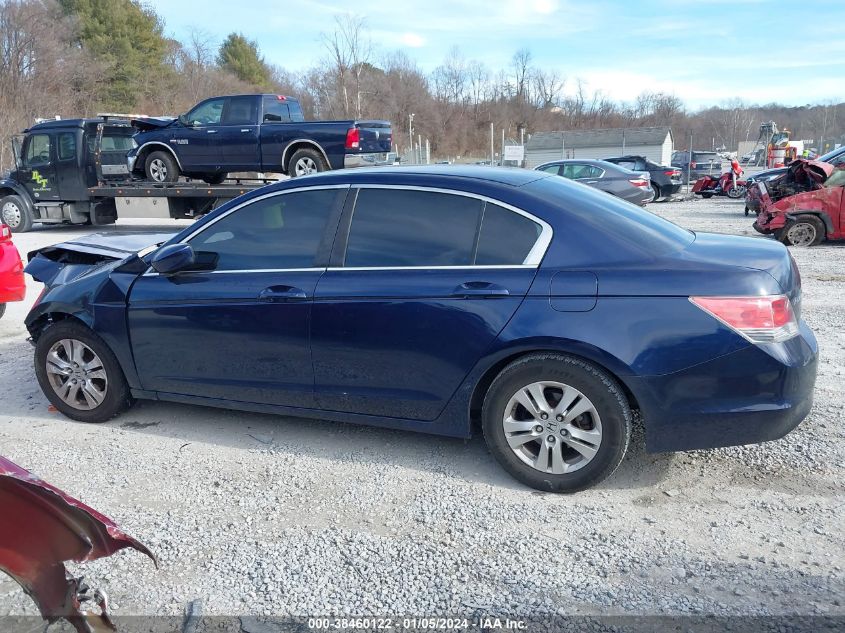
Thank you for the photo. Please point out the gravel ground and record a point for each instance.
(256, 514)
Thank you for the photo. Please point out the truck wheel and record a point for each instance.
(807, 230)
(161, 167)
(15, 213)
(215, 179)
(306, 161)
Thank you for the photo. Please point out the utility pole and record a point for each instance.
(492, 151)
(411, 131)
(503, 147)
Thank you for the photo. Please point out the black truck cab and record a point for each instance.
(56, 163)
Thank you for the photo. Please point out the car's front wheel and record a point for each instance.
(161, 167)
(15, 214)
(79, 374)
(806, 230)
(556, 423)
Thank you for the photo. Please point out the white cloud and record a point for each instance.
(413, 40)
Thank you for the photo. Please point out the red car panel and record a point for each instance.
(12, 283)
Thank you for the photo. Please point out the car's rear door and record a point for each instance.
(420, 284)
(238, 328)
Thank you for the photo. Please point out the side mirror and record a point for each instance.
(173, 258)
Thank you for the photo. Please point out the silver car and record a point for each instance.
(632, 186)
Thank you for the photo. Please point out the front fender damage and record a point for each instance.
(41, 527)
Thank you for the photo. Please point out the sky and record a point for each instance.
(703, 51)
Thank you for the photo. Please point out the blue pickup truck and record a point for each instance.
(252, 133)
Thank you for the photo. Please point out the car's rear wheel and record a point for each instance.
(16, 214)
(161, 167)
(79, 374)
(806, 230)
(556, 423)
(305, 162)
(657, 193)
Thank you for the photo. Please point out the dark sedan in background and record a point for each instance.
(427, 298)
(620, 182)
(665, 181)
(700, 163)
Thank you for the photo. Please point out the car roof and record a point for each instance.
(508, 176)
(59, 123)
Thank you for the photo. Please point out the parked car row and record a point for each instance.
(432, 299)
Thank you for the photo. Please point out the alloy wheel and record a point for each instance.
(11, 215)
(76, 374)
(158, 170)
(305, 166)
(552, 427)
(801, 234)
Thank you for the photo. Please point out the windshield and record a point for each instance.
(834, 157)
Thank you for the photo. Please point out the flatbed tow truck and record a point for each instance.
(74, 171)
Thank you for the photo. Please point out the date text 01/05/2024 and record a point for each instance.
(412, 623)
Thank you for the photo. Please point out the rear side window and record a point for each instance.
(67, 145)
(279, 232)
(275, 111)
(506, 237)
(396, 227)
(240, 111)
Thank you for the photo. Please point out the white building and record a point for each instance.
(655, 143)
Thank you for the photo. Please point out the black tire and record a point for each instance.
(16, 214)
(161, 167)
(215, 179)
(806, 230)
(657, 193)
(602, 390)
(305, 159)
(706, 195)
(117, 397)
(2, 310)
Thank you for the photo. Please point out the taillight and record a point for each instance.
(673, 172)
(353, 138)
(5, 233)
(639, 182)
(768, 319)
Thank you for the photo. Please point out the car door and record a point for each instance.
(69, 173)
(420, 285)
(38, 166)
(276, 132)
(196, 142)
(236, 328)
(237, 138)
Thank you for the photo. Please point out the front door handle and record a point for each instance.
(482, 289)
(245, 130)
(281, 294)
(211, 131)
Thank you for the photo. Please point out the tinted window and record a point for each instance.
(240, 111)
(295, 112)
(67, 145)
(282, 231)
(551, 169)
(38, 150)
(393, 227)
(506, 237)
(207, 113)
(275, 110)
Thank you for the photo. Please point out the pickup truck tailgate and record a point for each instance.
(376, 136)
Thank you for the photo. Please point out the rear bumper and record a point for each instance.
(364, 160)
(756, 394)
(12, 281)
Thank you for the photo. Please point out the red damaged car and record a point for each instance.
(12, 282)
(804, 206)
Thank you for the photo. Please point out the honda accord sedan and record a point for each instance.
(438, 299)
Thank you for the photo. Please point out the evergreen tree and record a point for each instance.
(240, 57)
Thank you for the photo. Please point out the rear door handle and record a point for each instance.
(211, 132)
(483, 289)
(245, 130)
(281, 294)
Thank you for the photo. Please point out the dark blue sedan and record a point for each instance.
(428, 299)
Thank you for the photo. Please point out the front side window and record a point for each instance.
(38, 150)
(207, 113)
(398, 227)
(67, 145)
(280, 232)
